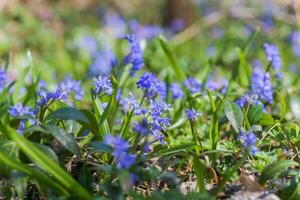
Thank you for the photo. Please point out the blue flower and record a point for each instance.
(192, 114)
(102, 84)
(18, 111)
(141, 128)
(123, 159)
(135, 57)
(47, 97)
(69, 86)
(249, 140)
(2, 78)
(273, 56)
(144, 31)
(192, 84)
(176, 91)
(103, 61)
(115, 24)
(261, 85)
(149, 83)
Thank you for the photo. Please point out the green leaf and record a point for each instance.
(271, 170)
(178, 72)
(211, 100)
(46, 150)
(69, 113)
(20, 183)
(282, 103)
(47, 164)
(199, 169)
(65, 139)
(255, 113)
(101, 116)
(100, 147)
(173, 150)
(39, 176)
(266, 120)
(234, 115)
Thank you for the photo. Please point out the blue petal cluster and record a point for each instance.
(261, 85)
(192, 85)
(151, 85)
(159, 121)
(20, 110)
(249, 140)
(123, 159)
(69, 86)
(176, 91)
(102, 84)
(192, 114)
(2, 78)
(273, 56)
(135, 57)
(48, 97)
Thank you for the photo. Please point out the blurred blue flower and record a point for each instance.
(103, 60)
(192, 85)
(135, 57)
(177, 25)
(88, 44)
(70, 86)
(18, 111)
(192, 114)
(249, 140)
(176, 91)
(123, 159)
(141, 128)
(144, 31)
(2, 78)
(115, 23)
(273, 56)
(102, 84)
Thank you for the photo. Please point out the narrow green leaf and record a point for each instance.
(282, 103)
(178, 72)
(40, 177)
(271, 170)
(199, 169)
(101, 117)
(234, 115)
(173, 150)
(47, 164)
(255, 113)
(211, 100)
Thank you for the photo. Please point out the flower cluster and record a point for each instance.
(135, 57)
(273, 56)
(2, 78)
(151, 85)
(192, 114)
(120, 151)
(69, 86)
(18, 111)
(261, 88)
(102, 84)
(48, 97)
(192, 85)
(261, 85)
(249, 140)
(176, 91)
